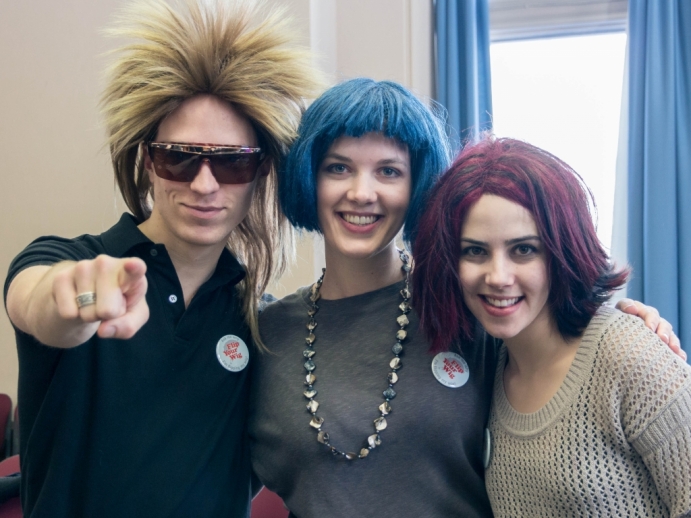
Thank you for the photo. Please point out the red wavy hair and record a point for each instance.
(581, 274)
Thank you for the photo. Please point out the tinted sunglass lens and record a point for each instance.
(235, 168)
(176, 166)
(183, 168)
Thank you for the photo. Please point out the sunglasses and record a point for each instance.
(181, 162)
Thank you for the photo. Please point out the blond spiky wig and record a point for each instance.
(237, 50)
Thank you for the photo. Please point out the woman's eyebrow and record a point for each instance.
(384, 161)
(393, 161)
(508, 241)
(519, 239)
(473, 241)
(336, 156)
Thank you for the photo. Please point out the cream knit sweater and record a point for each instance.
(615, 440)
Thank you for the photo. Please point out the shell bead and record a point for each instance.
(374, 440)
(380, 424)
(389, 393)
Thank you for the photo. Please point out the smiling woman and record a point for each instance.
(503, 268)
(508, 241)
(348, 416)
(363, 188)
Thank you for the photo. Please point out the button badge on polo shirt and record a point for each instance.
(232, 353)
(450, 369)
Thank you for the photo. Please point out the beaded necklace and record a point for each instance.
(395, 364)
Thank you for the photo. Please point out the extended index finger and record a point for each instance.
(132, 273)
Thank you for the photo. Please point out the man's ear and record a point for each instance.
(148, 164)
(149, 168)
(265, 166)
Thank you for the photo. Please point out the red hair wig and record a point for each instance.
(581, 274)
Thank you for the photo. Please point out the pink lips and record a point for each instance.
(500, 311)
(203, 212)
(359, 229)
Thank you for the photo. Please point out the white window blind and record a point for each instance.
(527, 19)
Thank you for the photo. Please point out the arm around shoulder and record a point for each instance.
(656, 414)
(666, 450)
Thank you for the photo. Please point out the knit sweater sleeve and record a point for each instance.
(655, 408)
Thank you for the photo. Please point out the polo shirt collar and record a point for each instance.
(228, 269)
(124, 236)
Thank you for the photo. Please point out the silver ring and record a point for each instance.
(86, 299)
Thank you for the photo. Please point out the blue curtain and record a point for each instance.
(659, 159)
(463, 84)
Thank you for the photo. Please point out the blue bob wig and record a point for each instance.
(354, 108)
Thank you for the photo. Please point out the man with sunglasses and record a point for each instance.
(134, 345)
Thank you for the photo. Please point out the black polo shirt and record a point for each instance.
(151, 426)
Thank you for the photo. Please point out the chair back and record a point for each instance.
(11, 508)
(9, 466)
(13, 440)
(268, 504)
(5, 410)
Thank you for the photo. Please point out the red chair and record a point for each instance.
(266, 504)
(9, 466)
(5, 410)
(13, 507)
(14, 433)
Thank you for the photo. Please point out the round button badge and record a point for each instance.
(450, 369)
(232, 353)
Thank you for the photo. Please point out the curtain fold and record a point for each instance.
(463, 84)
(659, 159)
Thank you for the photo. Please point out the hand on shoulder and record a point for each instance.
(654, 322)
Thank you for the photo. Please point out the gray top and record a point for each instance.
(430, 460)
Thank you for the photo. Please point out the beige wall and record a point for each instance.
(57, 176)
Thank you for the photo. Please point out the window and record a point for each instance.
(563, 94)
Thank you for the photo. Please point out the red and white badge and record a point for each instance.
(232, 353)
(450, 369)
